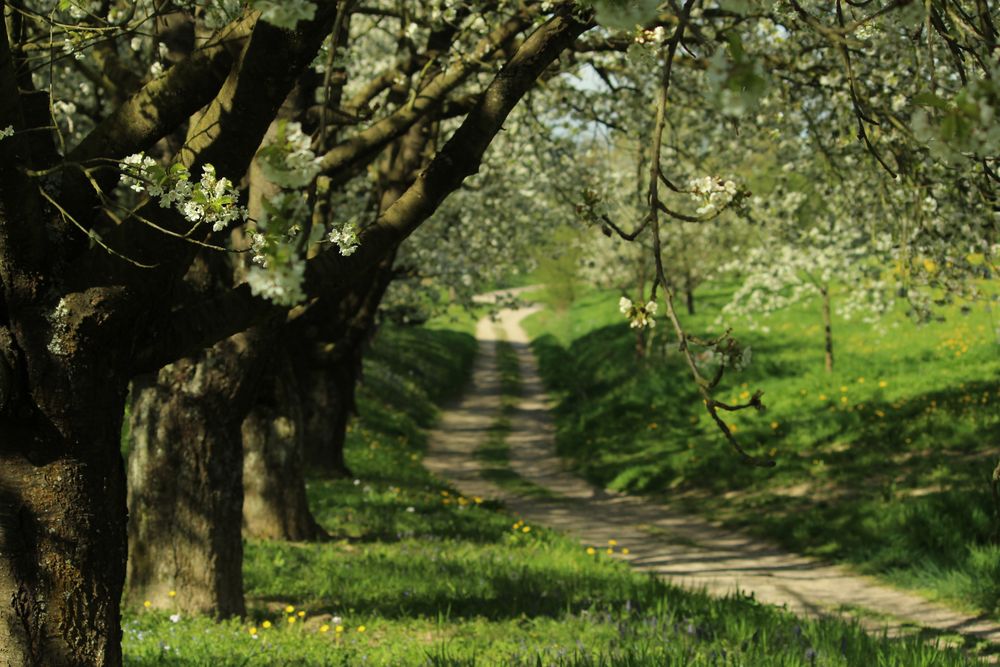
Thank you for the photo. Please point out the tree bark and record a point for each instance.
(62, 491)
(275, 505)
(185, 488)
(827, 329)
(62, 543)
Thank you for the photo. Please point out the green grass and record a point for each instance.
(437, 579)
(884, 463)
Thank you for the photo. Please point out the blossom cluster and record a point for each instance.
(656, 35)
(713, 194)
(211, 200)
(345, 237)
(6, 132)
(639, 316)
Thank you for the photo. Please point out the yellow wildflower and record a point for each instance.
(265, 624)
(591, 551)
(172, 594)
(526, 529)
(291, 620)
(253, 631)
(147, 604)
(302, 614)
(339, 629)
(883, 384)
(612, 542)
(324, 628)
(289, 609)
(625, 550)
(361, 628)
(774, 426)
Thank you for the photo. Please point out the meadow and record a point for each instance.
(416, 574)
(885, 464)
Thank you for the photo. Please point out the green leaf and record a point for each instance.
(930, 100)
(625, 14)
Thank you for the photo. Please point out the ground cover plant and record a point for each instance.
(884, 463)
(416, 574)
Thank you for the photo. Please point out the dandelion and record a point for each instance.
(252, 631)
(289, 609)
(291, 620)
(822, 397)
(361, 628)
(774, 426)
(843, 399)
(147, 604)
(338, 629)
(609, 551)
(626, 551)
(843, 389)
(861, 380)
(324, 628)
(591, 551)
(883, 384)
(302, 614)
(613, 543)
(744, 395)
(265, 624)
(526, 529)
(172, 594)
(477, 500)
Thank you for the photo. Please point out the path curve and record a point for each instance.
(683, 548)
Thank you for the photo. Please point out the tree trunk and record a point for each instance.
(185, 488)
(689, 294)
(274, 492)
(326, 408)
(62, 536)
(827, 329)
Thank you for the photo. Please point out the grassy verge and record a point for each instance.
(419, 575)
(884, 463)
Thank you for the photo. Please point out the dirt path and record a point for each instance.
(683, 548)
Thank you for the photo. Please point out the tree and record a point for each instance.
(94, 292)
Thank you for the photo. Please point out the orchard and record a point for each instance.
(241, 244)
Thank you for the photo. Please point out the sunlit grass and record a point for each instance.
(884, 463)
(417, 574)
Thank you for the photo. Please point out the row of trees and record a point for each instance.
(202, 209)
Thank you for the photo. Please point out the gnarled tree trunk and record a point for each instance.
(62, 489)
(275, 505)
(62, 543)
(185, 481)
